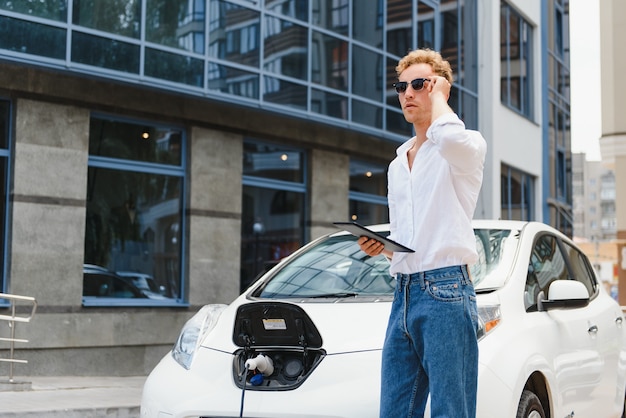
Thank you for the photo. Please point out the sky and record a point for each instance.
(585, 67)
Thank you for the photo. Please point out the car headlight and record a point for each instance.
(489, 318)
(194, 331)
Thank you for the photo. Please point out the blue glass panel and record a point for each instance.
(284, 93)
(271, 161)
(329, 104)
(367, 23)
(134, 141)
(399, 27)
(367, 73)
(285, 48)
(298, 9)
(133, 233)
(234, 33)
(176, 23)
(233, 81)
(398, 125)
(32, 38)
(121, 17)
(332, 15)
(367, 114)
(105, 53)
(329, 61)
(174, 67)
(48, 9)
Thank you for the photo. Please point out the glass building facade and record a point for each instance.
(189, 145)
(332, 60)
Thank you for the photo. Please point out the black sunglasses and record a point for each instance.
(416, 85)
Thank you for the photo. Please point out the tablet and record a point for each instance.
(359, 230)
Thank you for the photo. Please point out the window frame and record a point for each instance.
(6, 153)
(524, 54)
(142, 167)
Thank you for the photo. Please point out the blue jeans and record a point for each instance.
(431, 346)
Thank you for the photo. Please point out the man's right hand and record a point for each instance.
(370, 246)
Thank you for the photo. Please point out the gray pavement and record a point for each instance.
(71, 397)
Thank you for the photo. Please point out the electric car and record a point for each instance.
(305, 339)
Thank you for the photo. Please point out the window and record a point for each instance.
(5, 125)
(368, 192)
(517, 194)
(552, 259)
(273, 212)
(516, 55)
(135, 206)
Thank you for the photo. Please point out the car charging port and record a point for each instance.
(289, 367)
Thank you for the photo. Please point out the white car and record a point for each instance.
(305, 340)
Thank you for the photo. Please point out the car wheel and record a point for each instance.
(530, 406)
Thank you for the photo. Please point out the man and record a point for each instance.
(433, 186)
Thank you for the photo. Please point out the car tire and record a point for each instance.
(530, 406)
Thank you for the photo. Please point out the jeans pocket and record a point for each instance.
(445, 291)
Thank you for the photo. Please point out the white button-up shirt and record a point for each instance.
(431, 205)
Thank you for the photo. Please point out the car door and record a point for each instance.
(606, 327)
(577, 365)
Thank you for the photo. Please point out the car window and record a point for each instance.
(490, 244)
(581, 269)
(334, 267)
(546, 265)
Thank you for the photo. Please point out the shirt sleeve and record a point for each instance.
(464, 149)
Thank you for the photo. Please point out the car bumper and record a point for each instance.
(208, 390)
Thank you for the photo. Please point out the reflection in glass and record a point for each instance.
(272, 227)
(367, 114)
(368, 177)
(298, 9)
(333, 266)
(425, 26)
(368, 213)
(330, 61)
(285, 48)
(284, 93)
(177, 23)
(367, 73)
(32, 38)
(234, 33)
(233, 81)
(105, 53)
(331, 14)
(133, 225)
(329, 104)
(48, 9)
(174, 67)
(397, 124)
(367, 23)
(399, 27)
(272, 162)
(120, 17)
(450, 36)
(132, 141)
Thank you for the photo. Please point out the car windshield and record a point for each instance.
(335, 267)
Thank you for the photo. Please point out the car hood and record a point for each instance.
(343, 327)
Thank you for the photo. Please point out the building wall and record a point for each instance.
(613, 101)
(51, 115)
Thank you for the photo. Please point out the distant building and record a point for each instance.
(593, 188)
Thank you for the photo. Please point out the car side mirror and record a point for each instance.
(563, 294)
